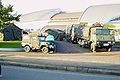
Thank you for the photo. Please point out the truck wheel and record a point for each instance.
(35, 50)
(45, 50)
(27, 48)
(83, 45)
(109, 49)
(81, 42)
(74, 42)
(51, 52)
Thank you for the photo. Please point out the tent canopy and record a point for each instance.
(100, 13)
(39, 15)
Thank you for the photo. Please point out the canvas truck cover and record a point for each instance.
(50, 38)
(85, 32)
(58, 34)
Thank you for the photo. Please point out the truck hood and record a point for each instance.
(105, 38)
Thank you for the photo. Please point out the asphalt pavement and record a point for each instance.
(100, 63)
(18, 73)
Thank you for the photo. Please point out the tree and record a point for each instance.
(6, 16)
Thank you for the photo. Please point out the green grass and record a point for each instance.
(10, 44)
(117, 43)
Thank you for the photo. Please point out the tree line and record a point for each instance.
(7, 16)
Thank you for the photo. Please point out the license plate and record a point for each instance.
(106, 44)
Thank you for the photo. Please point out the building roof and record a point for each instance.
(39, 15)
(100, 13)
(64, 18)
(64, 15)
(60, 27)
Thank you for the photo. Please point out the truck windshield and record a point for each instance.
(102, 31)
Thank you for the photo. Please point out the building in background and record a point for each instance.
(56, 19)
(36, 20)
(114, 23)
(53, 18)
(100, 13)
(65, 18)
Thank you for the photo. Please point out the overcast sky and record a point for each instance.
(27, 6)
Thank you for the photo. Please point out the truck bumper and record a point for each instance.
(104, 45)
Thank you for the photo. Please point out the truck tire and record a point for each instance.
(80, 43)
(27, 48)
(109, 49)
(74, 42)
(51, 52)
(45, 50)
(34, 50)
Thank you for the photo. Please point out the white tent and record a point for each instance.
(36, 20)
(100, 13)
(35, 25)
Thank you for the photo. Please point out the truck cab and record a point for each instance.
(101, 38)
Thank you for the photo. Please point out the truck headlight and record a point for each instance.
(109, 42)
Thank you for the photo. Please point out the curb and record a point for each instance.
(81, 69)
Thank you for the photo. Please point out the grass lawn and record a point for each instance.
(10, 44)
(117, 43)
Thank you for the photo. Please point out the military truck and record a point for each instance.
(33, 42)
(96, 37)
(72, 32)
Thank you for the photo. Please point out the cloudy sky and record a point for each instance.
(27, 6)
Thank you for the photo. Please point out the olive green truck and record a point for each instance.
(94, 37)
